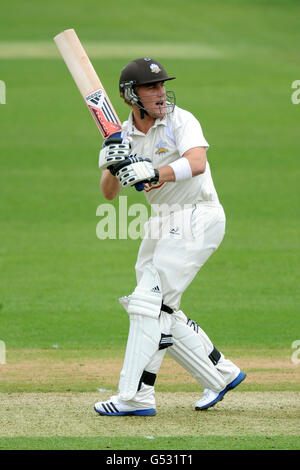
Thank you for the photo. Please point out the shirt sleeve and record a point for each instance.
(188, 133)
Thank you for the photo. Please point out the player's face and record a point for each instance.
(153, 98)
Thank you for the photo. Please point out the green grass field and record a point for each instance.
(60, 318)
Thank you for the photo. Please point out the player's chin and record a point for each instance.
(157, 112)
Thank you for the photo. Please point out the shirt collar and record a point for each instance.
(133, 130)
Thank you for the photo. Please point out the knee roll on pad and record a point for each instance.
(146, 298)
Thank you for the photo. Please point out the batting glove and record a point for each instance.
(139, 171)
(113, 152)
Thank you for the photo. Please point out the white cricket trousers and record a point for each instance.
(178, 244)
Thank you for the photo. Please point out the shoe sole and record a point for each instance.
(220, 397)
(147, 412)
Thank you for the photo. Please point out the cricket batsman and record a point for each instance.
(163, 148)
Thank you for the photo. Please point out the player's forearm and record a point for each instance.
(166, 174)
(110, 185)
(196, 158)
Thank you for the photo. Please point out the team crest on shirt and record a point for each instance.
(161, 148)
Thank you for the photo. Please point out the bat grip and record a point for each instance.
(117, 135)
(139, 186)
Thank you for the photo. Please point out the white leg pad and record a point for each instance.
(142, 344)
(146, 394)
(228, 369)
(191, 350)
(143, 307)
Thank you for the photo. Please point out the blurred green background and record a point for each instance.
(235, 62)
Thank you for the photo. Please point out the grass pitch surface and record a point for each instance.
(60, 284)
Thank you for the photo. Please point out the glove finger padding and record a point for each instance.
(125, 164)
(113, 152)
(141, 171)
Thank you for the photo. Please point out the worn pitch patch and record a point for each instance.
(72, 414)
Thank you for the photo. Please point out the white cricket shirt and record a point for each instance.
(166, 141)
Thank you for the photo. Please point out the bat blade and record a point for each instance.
(89, 85)
(88, 82)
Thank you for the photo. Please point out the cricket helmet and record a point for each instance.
(143, 71)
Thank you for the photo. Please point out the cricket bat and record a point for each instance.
(90, 86)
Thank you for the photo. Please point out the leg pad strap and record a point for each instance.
(166, 309)
(148, 378)
(215, 356)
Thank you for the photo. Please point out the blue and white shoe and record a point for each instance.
(211, 398)
(114, 407)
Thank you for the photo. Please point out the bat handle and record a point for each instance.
(139, 186)
(117, 135)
